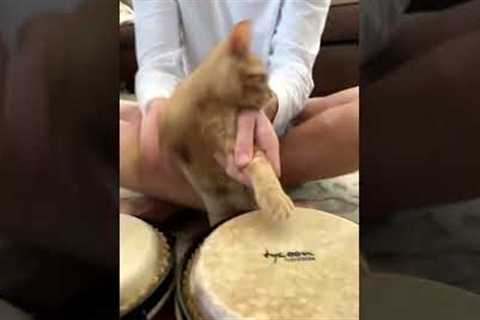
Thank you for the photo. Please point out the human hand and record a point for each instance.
(254, 129)
(158, 173)
(139, 147)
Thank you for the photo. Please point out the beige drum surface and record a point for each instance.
(306, 267)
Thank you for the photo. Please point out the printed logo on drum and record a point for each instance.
(289, 256)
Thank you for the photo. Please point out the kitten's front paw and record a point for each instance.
(277, 205)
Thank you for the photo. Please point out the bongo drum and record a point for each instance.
(306, 267)
(146, 269)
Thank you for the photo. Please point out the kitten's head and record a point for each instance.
(236, 75)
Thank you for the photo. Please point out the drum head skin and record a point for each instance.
(145, 259)
(306, 267)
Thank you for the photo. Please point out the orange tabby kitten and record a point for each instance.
(201, 121)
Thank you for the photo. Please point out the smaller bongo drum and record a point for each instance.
(306, 267)
(146, 269)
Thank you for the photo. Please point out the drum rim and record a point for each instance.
(163, 284)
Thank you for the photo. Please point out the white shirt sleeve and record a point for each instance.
(159, 49)
(295, 45)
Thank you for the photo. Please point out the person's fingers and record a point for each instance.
(234, 172)
(267, 141)
(245, 136)
(130, 118)
(231, 169)
(129, 111)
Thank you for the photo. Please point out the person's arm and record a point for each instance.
(159, 49)
(295, 46)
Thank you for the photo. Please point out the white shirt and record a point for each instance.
(174, 36)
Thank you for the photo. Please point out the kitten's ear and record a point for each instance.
(240, 37)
